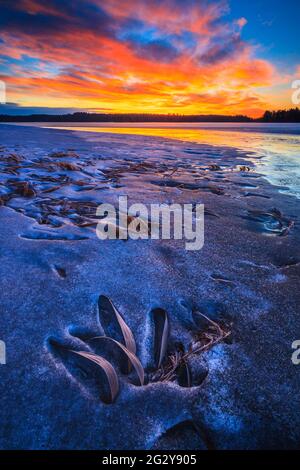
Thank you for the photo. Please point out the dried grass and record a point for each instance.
(23, 188)
(173, 367)
(203, 342)
(67, 166)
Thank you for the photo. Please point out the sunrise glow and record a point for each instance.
(191, 57)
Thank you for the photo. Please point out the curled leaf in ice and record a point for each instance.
(23, 188)
(161, 333)
(133, 359)
(114, 324)
(107, 368)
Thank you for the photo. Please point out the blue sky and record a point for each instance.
(274, 25)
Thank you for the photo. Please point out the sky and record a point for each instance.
(149, 56)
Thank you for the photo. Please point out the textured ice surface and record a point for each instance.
(53, 268)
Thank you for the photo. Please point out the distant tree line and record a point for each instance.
(291, 115)
(96, 117)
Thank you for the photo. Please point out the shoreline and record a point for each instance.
(283, 128)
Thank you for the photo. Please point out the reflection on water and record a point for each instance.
(273, 148)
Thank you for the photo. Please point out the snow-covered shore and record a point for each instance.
(244, 392)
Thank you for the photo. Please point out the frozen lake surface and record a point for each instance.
(275, 146)
(242, 391)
